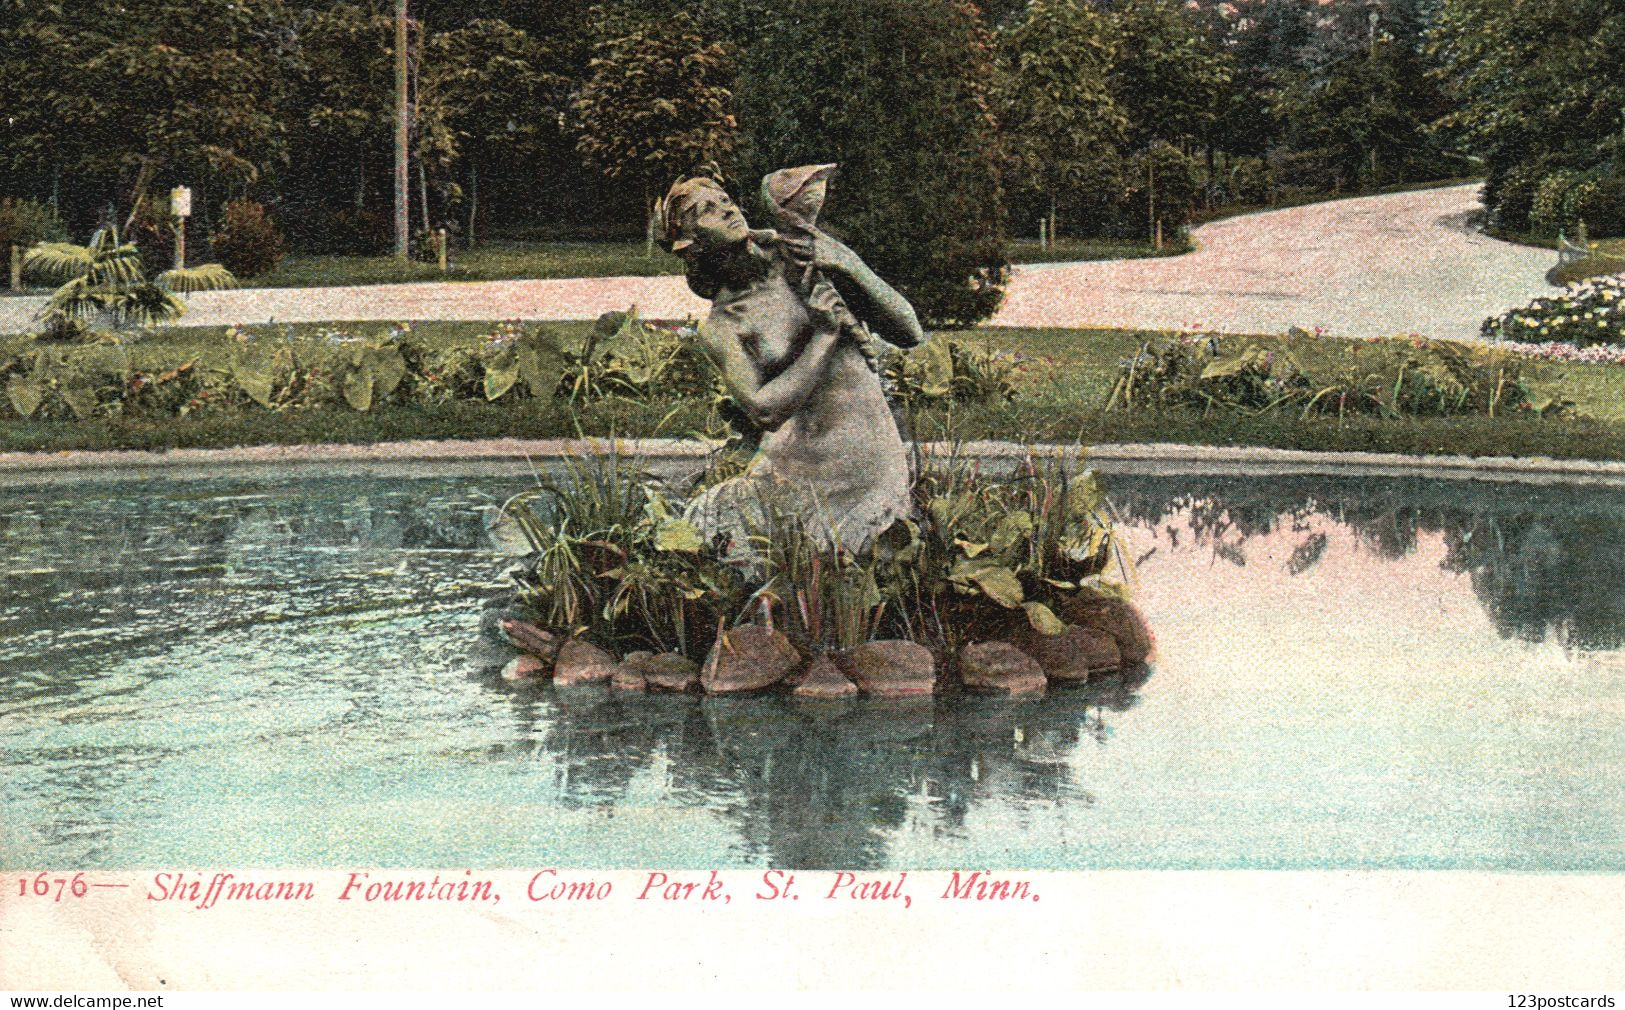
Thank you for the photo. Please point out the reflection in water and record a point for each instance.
(822, 785)
(1542, 560)
(241, 672)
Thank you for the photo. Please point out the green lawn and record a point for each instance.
(505, 260)
(491, 261)
(1063, 381)
(1070, 250)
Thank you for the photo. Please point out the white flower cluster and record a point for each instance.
(1585, 313)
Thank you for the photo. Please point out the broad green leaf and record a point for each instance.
(971, 550)
(1043, 619)
(358, 389)
(80, 399)
(550, 365)
(25, 396)
(1012, 529)
(933, 363)
(998, 583)
(679, 535)
(1225, 367)
(498, 380)
(388, 369)
(255, 383)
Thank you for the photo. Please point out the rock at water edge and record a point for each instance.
(1073, 654)
(1116, 618)
(891, 669)
(666, 671)
(748, 658)
(531, 638)
(524, 668)
(1000, 666)
(582, 662)
(824, 681)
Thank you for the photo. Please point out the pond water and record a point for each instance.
(274, 671)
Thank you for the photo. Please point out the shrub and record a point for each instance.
(1584, 313)
(920, 195)
(1167, 186)
(1419, 379)
(247, 242)
(26, 222)
(347, 231)
(1511, 196)
(1248, 182)
(1553, 208)
(1602, 206)
(152, 232)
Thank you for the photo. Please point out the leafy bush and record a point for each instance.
(1166, 188)
(944, 371)
(615, 561)
(1511, 196)
(1553, 208)
(920, 191)
(27, 222)
(247, 242)
(1423, 379)
(1588, 312)
(1602, 206)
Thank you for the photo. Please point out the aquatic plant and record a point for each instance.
(613, 560)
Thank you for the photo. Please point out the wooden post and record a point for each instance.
(16, 267)
(440, 247)
(1043, 233)
(1159, 233)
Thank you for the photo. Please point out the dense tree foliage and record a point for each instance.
(1063, 127)
(1541, 92)
(563, 115)
(657, 104)
(898, 92)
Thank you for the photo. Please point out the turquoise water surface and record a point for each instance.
(276, 671)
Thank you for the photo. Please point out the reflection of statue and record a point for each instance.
(795, 358)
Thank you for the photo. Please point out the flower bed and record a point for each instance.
(1584, 314)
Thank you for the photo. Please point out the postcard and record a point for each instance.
(1212, 600)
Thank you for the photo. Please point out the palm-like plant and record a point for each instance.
(104, 279)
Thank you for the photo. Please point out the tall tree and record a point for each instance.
(658, 103)
(1169, 78)
(122, 97)
(490, 87)
(1063, 128)
(899, 93)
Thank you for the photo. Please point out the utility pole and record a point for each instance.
(402, 237)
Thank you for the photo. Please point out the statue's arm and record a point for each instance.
(871, 299)
(769, 404)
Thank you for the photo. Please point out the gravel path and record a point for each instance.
(1370, 266)
(1373, 266)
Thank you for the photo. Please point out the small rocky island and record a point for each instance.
(831, 563)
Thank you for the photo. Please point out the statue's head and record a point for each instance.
(697, 215)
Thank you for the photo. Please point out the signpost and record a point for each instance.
(180, 207)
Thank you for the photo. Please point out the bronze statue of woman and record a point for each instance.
(790, 313)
